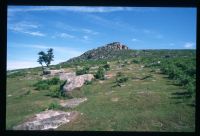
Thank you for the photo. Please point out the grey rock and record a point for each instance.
(77, 81)
(47, 120)
(67, 76)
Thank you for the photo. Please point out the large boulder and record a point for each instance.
(47, 120)
(77, 81)
(67, 76)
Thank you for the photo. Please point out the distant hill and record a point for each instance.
(109, 51)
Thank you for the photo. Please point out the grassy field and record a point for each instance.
(151, 104)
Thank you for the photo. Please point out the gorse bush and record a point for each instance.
(106, 66)
(45, 84)
(84, 70)
(17, 74)
(100, 73)
(121, 78)
(54, 81)
(55, 91)
(54, 105)
(41, 85)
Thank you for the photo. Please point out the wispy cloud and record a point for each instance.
(85, 37)
(89, 31)
(135, 40)
(86, 9)
(63, 35)
(152, 33)
(26, 28)
(189, 45)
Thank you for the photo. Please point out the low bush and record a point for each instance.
(84, 70)
(106, 67)
(88, 82)
(41, 85)
(100, 73)
(54, 105)
(55, 91)
(16, 74)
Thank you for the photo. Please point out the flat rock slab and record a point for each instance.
(47, 120)
(72, 103)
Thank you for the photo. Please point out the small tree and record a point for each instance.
(45, 58)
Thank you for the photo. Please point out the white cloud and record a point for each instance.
(26, 28)
(85, 37)
(188, 45)
(171, 44)
(89, 31)
(65, 35)
(152, 33)
(135, 40)
(79, 9)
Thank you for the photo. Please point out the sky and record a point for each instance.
(72, 30)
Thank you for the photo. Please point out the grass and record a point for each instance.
(150, 104)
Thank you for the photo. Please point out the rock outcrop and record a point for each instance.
(76, 81)
(47, 120)
(109, 51)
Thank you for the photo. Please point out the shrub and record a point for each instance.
(16, 74)
(55, 91)
(121, 79)
(53, 105)
(88, 82)
(54, 81)
(136, 61)
(84, 70)
(100, 73)
(106, 67)
(41, 85)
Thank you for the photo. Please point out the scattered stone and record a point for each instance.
(47, 120)
(77, 81)
(101, 82)
(9, 95)
(115, 99)
(72, 102)
(108, 76)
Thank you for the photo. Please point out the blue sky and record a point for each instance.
(71, 31)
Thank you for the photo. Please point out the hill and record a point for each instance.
(109, 51)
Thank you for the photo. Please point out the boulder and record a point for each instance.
(72, 103)
(47, 120)
(67, 76)
(77, 81)
(53, 72)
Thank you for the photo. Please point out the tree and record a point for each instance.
(45, 58)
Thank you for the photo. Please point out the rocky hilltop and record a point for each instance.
(109, 51)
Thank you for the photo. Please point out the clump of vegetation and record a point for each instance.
(106, 67)
(84, 70)
(182, 71)
(54, 105)
(120, 78)
(88, 82)
(100, 73)
(16, 74)
(136, 61)
(41, 85)
(45, 84)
